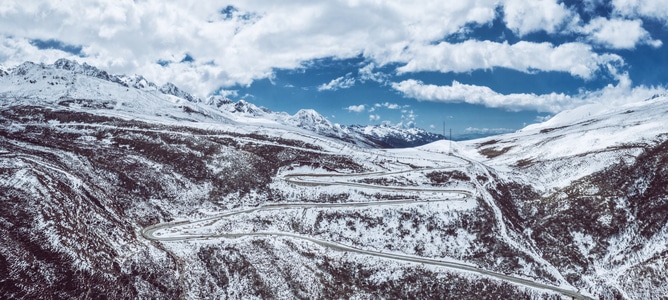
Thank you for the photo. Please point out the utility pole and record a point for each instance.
(444, 136)
(450, 141)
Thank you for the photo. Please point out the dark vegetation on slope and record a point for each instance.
(74, 190)
(265, 266)
(352, 279)
(623, 199)
(444, 177)
(492, 152)
(489, 251)
(77, 186)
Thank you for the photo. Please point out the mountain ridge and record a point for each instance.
(313, 121)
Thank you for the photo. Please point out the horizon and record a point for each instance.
(482, 68)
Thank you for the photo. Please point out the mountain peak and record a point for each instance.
(312, 120)
(311, 115)
(85, 69)
(137, 81)
(217, 101)
(245, 107)
(171, 89)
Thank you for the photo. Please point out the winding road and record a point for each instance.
(156, 232)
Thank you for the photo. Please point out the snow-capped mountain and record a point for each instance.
(68, 81)
(113, 187)
(82, 69)
(170, 89)
(395, 136)
(312, 120)
(381, 136)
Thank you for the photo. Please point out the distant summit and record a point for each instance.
(69, 83)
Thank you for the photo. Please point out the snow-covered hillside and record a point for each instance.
(599, 200)
(575, 143)
(113, 187)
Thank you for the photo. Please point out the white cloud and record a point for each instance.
(473, 94)
(366, 73)
(260, 36)
(524, 17)
(342, 82)
(577, 59)
(622, 92)
(388, 105)
(541, 119)
(228, 48)
(591, 5)
(373, 117)
(356, 108)
(408, 119)
(618, 33)
(228, 93)
(655, 9)
(488, 130)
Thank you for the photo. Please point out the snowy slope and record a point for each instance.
(591, 192)
(575, 143)
(67, 84)
(89, 160)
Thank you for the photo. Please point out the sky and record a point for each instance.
(476, 67)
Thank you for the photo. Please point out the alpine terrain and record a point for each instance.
(114, 187)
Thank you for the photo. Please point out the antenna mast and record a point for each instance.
(450, 141)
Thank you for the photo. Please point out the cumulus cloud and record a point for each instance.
(621, 93)
(367, 73)
(373, 117)
(388, 105)
(241, 41)
(356, 108)
(408, 118)
(342, 82)
(618, 33)
(235, 43)
(541, 119)
(524, 17)
(655, 9)
(481, 95)
(578, 59)
(228, 93)
(232, 43)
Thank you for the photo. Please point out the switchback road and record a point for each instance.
(156, 232)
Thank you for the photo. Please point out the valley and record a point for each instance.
(205, 228)
(115, 190)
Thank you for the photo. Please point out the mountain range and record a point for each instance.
(113, 187)
(67, 78)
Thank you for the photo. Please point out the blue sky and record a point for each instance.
(485, 66)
